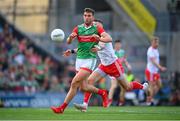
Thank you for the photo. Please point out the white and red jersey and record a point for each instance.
(110, 64)
(152, 53)
(107, 54)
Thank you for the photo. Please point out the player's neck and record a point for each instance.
(88, 24)
(154, 47)
(117, 49)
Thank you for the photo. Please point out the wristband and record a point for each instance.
(72, 51)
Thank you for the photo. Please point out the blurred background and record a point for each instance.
(33, 72)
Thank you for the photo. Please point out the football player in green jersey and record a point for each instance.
(88, 35)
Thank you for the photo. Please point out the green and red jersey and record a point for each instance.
(86, 41)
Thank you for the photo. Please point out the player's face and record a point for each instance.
(88, 18)
(155, 44)
(117, 46)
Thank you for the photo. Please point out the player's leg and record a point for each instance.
(114, 85)
(76, 82)
(154, 88)
(123, 81)
(121, 96)
(90, 63)
(82, 75)
(150, 91)
(88, 94)
(157, 85)
(132, 85)
(96, 75)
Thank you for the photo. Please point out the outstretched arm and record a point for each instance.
(68, 52)
(71, 37)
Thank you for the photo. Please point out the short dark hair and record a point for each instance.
(89, 10)
(155, 38)
(118, 41)
(98, 20)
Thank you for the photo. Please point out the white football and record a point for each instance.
(57, 35)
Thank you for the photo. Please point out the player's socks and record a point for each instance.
(59, 109)
(104, 96)
(64, 105)
(110, 102)
(87, 97)
(136, 85)
(100, 92)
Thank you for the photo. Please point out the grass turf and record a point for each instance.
(94, 113)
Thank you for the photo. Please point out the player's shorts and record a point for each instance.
(151, 76)
(86, 64)
(114, 70)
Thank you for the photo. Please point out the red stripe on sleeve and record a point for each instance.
(100, 30)
(75, 30)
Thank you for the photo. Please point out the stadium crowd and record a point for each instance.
(23, 68)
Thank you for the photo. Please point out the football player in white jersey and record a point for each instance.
(152, 69)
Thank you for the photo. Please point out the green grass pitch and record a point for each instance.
(94, 113)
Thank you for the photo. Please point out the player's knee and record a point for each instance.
(127, 88)
(75, 84)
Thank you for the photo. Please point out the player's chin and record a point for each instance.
(87, 22)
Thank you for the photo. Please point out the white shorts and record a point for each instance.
(86, 64)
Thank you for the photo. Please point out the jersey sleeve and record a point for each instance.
(100, 30)
(75, 30)
(150, 53)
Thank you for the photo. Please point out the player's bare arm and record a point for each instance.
(71, 37)
(158, 65)
(105, 37)
(68, 52)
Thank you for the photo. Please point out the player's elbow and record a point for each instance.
(110, 39)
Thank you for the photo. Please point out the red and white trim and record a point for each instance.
(86, 69)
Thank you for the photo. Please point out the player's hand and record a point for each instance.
(67, 53)
(97, 37)
(163, 68)
(94, 49)
(73, 35)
